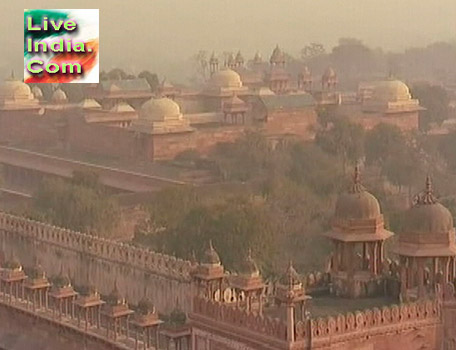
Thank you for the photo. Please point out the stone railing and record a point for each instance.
(245, 320)
(370, 321)
(136, 257)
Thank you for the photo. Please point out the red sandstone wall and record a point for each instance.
(28, 128)
(22, 332)
(300, 123)
(203, 140)
(101, 140)
(405, 121)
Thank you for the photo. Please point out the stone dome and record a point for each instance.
(15, 89)
(210, 256)
(428, 219)
(249, 267)
(428, 216)
(357, 203)
(160, 109)
(59, 96)
(225, 78)
(37, 93)
(391, 91)
(277, 56)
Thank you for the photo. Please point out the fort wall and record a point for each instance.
(407, 326)
(92, 260)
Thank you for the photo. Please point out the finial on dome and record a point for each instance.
(357, 186)
(427, 196)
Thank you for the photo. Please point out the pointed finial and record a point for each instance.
(211, 247)
(427, 196)
(428, 184)
(357, 186)
(357, 177)
(12, 74)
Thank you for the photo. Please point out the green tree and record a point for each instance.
(152, 79)
(312, 51)
(80, 204)
(244, 159)
(436, 101)
(382, 142)
(344, 140)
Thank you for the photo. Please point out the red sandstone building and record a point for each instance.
(124, 119)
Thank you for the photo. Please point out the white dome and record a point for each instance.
(160, 109)
(15, 89)
(225, 78)
(391, 91)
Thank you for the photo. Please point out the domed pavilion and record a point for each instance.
(160, 116)
(426, 246)
(358, 235)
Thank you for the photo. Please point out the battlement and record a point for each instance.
(334, 328)
(376, 321)
(157, 263)
(248, 321)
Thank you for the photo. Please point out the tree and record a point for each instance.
(312, 167)
(436, 101)
(312, 51)
(344, 140)
(404, 168)
(79, 204)
(382, 142)
(243, 159)
(152, 79)
(353, 58)
(234, 226)
(201, 62)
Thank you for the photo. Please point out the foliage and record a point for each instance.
(244, 159)
(352, 57)
(383, 142)
(436, 101)
(152, 79)
(80, 204)
(312, 51)
(344, 140)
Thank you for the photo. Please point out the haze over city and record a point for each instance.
(161, 35)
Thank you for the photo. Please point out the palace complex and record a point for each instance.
(60, 288)
(262, 96)
(64, 289)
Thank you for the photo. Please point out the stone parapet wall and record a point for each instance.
(88, 260)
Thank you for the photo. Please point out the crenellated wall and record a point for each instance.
(92, 260)
(407, 326)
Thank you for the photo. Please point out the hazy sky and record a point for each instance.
(160, 34)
